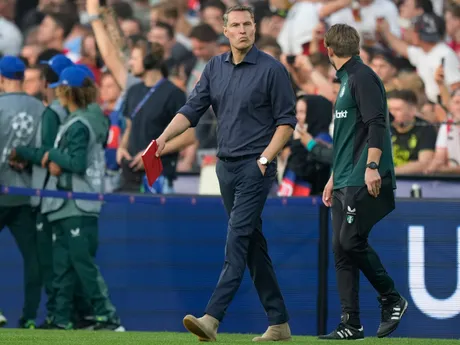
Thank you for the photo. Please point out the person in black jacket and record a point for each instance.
(304, 174)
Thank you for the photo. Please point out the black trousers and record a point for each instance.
(244, 190)
(354, 213)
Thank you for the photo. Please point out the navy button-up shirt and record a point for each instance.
(249, 99)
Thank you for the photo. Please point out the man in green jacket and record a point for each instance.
(76, 163)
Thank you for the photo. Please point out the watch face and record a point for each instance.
(263, 160)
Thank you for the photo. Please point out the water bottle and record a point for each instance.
(416, 191)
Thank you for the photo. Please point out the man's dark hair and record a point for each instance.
(343, 39)
(269, 42)
(407, 96)
(123, 10)
(425, 5)
(319, 59)
(169, 29)
(453, 8)
(63, 20)
(138, 22)
(214, 3)
(238, 8)
(204, 33)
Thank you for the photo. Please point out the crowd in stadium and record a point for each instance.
(413, 45)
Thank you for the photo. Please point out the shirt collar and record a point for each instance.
(250, 58)
(347, 65)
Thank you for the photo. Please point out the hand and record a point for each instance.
(305, 137)
(122, 154)
(45, 159)
(303, 64)
(382, 26)
(13, 155)
(327, 192)
(318, 32)
(373, 181)
(439, 75)
(54, 169)
(161, 143)
(17, 165)
(262, 168)
(137, 163)
(92, 7)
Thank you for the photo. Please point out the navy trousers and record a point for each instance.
(244, 190)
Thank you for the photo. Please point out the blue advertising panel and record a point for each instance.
(162, 261)
(418, 244)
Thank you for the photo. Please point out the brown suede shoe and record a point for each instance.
(276, 333)
(205, 328)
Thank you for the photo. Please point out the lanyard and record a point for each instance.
(146, 97)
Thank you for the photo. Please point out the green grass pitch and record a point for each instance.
(40, 337)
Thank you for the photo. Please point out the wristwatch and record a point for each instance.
(372, 165)
(263, 160)
(93, 17)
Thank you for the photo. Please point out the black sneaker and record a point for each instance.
(391, 315)
(26, 324)
(87, 323)
(47, 324)
(344, 332)
(67, 327)
(106, 324)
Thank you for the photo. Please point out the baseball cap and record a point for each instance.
(72, 76)
(87, 71)
(12, 67)
(58, 63)
(426, 25)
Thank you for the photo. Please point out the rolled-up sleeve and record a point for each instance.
(282, 97)
(199, 99)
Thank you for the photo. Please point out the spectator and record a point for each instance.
(384, 65)
(301, 20)
(30, 53)
(204, 47)
(10, 38)
(303, 175)
(363, 15)
(447, 156)
(34, 82)
(212, 13)
(53, 32)
(89, 56)
(110, 98)
(168, 13)
(427, 53)
(270, 46)
(413, 138)
(452, 18)
(163, 34)
(131, 26)
(147, 114)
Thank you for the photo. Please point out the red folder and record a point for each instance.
(152, 164)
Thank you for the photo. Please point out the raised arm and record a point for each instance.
(108, 51)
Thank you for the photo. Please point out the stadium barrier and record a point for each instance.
(161, 257)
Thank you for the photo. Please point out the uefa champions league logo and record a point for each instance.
(22, 127)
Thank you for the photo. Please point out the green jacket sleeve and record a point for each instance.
(73, 160)
(49, 130)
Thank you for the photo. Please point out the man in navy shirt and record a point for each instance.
(252, 97)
